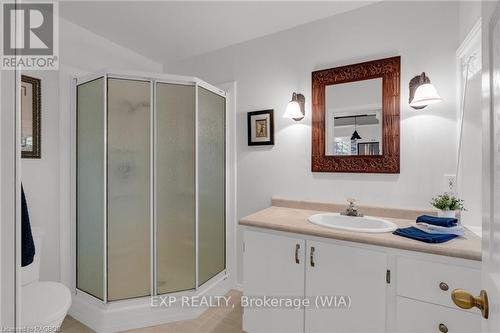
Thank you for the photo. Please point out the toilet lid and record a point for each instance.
(44, 302)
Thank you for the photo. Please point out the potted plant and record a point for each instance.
(447, 204)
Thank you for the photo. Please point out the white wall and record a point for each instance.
(469, 12)
(40, 177)
(47, 180)
(269, 69)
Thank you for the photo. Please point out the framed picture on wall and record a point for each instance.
(260, 128)
(30, 117)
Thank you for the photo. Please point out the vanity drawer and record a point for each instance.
(434, 282)
(420, 317)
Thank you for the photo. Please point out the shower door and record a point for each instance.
(128, 189)
(90, 158)
(175, 187)
(211, 184)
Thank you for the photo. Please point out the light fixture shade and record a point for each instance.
(425, 94)
(293, 110)
(355, 136)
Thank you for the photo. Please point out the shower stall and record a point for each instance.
(150, 185)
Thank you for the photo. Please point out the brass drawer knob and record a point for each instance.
(443, 286)
(443, 328)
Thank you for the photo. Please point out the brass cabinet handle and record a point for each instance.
(312, 256)
(443, 286)
(297, 248)
(465, 300)
(443, 328)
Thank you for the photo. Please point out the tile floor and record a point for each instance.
(216, 320)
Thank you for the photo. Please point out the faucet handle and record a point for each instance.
(351, 201)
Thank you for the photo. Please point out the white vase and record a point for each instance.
(446, 213)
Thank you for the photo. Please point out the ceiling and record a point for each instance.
(171, 30)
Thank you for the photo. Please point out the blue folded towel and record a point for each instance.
(417, 234)
(439, 221)
(27, 244)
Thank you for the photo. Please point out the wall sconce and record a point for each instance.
(422, 92)
(296, 107)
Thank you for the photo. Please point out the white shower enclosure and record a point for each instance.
(150, 184)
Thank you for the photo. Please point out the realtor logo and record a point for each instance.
(29, 35)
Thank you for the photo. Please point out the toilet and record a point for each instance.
(43, 303)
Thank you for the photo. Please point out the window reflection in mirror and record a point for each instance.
(354, 118)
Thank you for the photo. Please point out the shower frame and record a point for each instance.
(153, 79)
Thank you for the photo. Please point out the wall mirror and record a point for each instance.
(30, 117)
(355, 120)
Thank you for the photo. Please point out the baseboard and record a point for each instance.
(127, 315)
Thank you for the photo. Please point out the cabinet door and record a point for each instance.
(418, 317)
(355, 275)
(424, 280)
(273, 266)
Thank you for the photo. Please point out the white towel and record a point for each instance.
(434, 229)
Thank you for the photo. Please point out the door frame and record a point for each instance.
(470, 47)
(10, 230)
(10, 193)
(490, 14)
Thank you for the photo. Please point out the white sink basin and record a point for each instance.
(352, 223)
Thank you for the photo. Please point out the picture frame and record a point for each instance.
(31, 107)
(260, 127)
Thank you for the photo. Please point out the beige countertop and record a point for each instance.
(294, 220)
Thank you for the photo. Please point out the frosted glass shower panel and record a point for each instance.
(175, 187)
(211, 184)
(90, 188)
(129, 187)
(150, 185)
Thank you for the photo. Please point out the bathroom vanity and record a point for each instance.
(390, 283)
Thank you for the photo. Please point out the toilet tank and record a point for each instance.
(31, 273)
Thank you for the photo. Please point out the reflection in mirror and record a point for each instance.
(354, 118)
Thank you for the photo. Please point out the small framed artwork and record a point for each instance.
(260, 128)
(30, 117)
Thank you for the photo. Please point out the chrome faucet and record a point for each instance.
(351, 210)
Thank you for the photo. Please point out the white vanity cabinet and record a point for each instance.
(273, 266)
(389, 290)
(282, 266)
(343, 271)
(423, 301)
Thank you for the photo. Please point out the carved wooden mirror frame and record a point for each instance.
(35, 105)
(387, 69)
